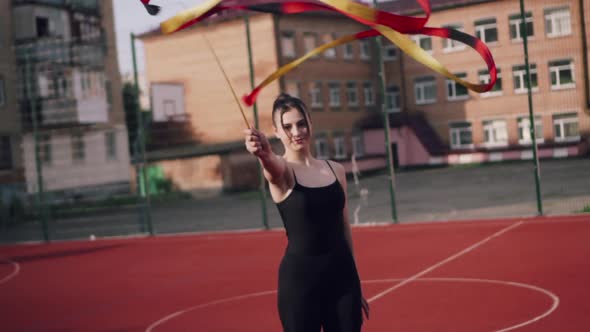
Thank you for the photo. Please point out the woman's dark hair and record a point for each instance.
(284, 103)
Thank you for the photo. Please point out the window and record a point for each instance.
(78, 147)
(516, 26)
(110, 141)
(5, 153)
(450, 45)
(495, 133)
(484, 78)
(389, 51)
(292, 88)
(352, 94)
(566, 127)
(558, 22)
(487, 30)
(43, 26)
(45, 149)
(392, 99)
(316, 95)
(461, 135)
(321, 147)
(334, 89)
(524, 130)
(368, 94)
(456, 91)
(331, 52)
(309, 42)
(339, 147)
(357, 145)
(365, 49)
(425, 90)
(425, 42)
(519, 74)
(2, 93)
(562, 74)
(348, 51)
(288, 44)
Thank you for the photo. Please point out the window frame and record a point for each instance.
(489, 127)
(368, 90)
(485, 79)
(392, 94)
(316, 91)
(418, 40)
(329, 53)
(519, 74)
(523, 124)
(386, 48)
(365, 49)
(288, 35)
(357, 145)
(421, 84)
(111, 145)
(552, 15)
(352, 87)
(456, 132)
(515, 21)
(320, 142)
(334, 87)
(483, 28)
(562, 121)
(78, 147)
(557, 69)
(340, 152)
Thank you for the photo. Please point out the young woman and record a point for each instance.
(319, 285)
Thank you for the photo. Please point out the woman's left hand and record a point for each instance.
(365, 306)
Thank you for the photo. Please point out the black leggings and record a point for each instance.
(319, 291)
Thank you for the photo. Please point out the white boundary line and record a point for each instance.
(551, 295)
(14, 273)
(204, 305)
(444, 261)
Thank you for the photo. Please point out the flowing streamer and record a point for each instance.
(391, 26)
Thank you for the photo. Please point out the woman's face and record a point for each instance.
(295, 132)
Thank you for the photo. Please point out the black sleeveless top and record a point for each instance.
(313, 218)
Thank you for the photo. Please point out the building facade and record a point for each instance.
(61, 88)
(433, 120)
(495, 125)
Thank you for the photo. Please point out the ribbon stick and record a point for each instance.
(391, 26)
(227, 80)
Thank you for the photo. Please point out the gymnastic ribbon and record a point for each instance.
(391, 26)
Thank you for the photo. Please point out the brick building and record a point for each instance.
(433, 121)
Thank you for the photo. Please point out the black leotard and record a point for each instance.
(318, 280)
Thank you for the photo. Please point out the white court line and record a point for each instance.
(181, 312)
(13, 273)
(444, 261)
(553, 297)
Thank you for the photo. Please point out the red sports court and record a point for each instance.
(524, 274)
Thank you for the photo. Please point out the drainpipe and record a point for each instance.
(585, 56)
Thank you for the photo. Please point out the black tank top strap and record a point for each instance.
(327, 162)
(294, 176)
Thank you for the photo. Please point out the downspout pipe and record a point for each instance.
(585, 56)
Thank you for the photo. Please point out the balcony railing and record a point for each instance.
(85, 5)
(63, 52)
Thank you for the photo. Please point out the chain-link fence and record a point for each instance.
(83, 166)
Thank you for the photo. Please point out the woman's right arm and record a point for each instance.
(274, 166)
